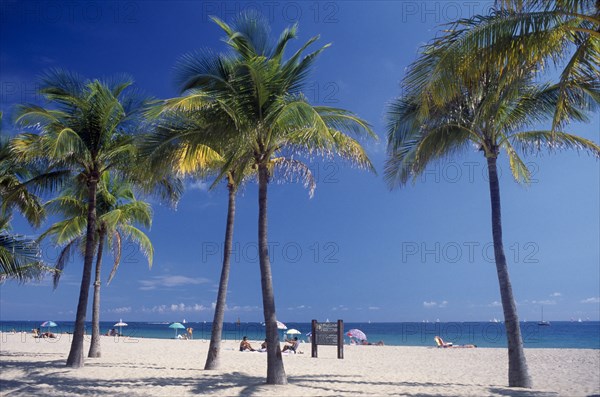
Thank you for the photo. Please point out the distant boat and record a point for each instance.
(184, 321)
(543, 323)
(495, 320)
(579, 320)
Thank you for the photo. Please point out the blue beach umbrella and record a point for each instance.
(176, 326)
(48, 324)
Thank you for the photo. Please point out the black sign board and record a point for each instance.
(328, 334)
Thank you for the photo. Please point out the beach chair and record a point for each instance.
(440, 342)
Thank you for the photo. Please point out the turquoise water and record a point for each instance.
(561, 334)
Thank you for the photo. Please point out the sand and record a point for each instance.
(158, 367)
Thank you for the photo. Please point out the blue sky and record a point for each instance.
(356, 250)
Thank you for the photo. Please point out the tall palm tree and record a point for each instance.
(118, 211)
(495, 114)
(190, 143)
(559, 35)
(86, 131)
(194, 143)
(261, 94)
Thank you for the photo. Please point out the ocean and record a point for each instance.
(560, 334)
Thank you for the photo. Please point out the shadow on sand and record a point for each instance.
(59, 380)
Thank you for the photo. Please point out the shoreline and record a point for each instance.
(158, 367)
(133, 339)
(571, 335)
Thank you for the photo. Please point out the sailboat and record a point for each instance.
(543, 323)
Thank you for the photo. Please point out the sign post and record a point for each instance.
(327, 334)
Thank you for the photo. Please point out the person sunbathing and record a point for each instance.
(441, 343)
(263, 347)
(292, 346)
(245, 345)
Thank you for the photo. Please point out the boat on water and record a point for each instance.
(542, 322)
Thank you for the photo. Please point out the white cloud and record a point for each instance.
(198, 185)
(300, 307)
(431, 304)
(339, 307)
(176, 308)
(171, 281)
(591, 300)
(374, 308)
(120, 310)
(544, 302)
(495, 304)
(246, 308)
(555, 294)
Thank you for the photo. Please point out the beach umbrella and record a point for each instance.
(281, 325)
(293, 332)
(176, 326)
(120, 324)
(357, 333)
(48, 324)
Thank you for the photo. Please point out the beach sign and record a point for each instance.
(327, 333)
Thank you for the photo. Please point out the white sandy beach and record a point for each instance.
(156, 367)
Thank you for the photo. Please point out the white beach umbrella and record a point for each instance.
(293, 331)
(120, 324)
(281, 325)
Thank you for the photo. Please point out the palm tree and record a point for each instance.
(192, 143)
(494, 114)
(87, 132)
(560, 33)
(20, 257)
(117, 211)
(260, 92)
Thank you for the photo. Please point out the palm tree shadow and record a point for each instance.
(58, 379)
(520, 392)
(53, 374)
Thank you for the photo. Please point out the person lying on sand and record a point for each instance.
(364, 342)
(245, 345)
(441, 343)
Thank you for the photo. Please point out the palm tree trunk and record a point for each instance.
(212, 359)
(75, 359)
(95, 345)
(275, 371)
(518, 375)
